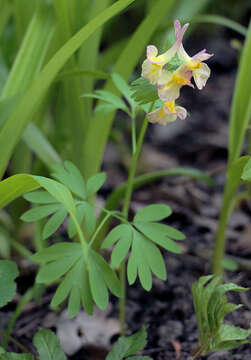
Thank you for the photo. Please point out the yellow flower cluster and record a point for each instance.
(169, 83)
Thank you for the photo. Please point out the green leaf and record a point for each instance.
(8, 273)
(2, 351)
(83, 280)
(127, 346)
(143, 92)
(246, 173)
(241, 104)
(94, 183)
(159, 234)
(70, 176)
(121, 249)
(211, 306)
(122, 230)
(108, 274)
(155, 212)
(104, 108)
(38, 89)
(109, 98)
(124, 88)
(86, 213)
(58, 267)
(54, 222)
(101, 278)
(39, 197)
(229, 264)
(98, 285)
(48, 345)
(40, 212)
(76, 284)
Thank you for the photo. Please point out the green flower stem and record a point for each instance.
(99, 228)
(133, 134)
(220, 241)
(81, 237)
(125, 210)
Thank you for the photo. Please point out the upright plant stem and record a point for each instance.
(220, 240)
(125, 211)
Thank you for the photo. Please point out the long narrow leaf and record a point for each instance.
(241, 106)
(28, 105)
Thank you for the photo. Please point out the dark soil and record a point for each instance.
(199, 142)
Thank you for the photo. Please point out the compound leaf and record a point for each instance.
(48, 345)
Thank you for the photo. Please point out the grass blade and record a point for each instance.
(22, 115)
(241, 105)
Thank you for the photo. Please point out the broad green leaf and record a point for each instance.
(155, 212)
(8, 273)
(48, 345)
(2, 351)
(95, 183)
(53, 223)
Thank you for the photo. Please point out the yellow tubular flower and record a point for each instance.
(153, 65)
(170, 83)
(167, 113)
(200, 70)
